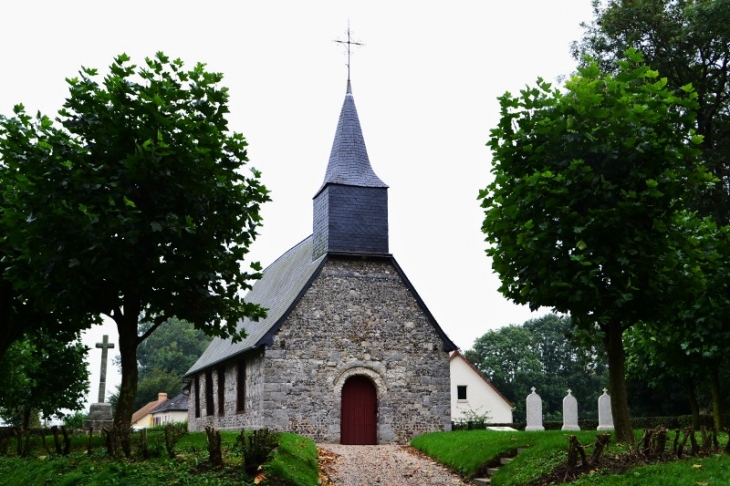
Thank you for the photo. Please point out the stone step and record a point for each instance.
(505, 460)
(482, 481)
(492, 470)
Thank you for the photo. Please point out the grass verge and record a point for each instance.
(293, 463)
(470, 452)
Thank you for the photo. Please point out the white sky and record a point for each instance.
(425, 84)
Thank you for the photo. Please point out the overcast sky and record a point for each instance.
(425, 84)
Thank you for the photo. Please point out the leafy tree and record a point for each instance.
(688, 41)
(39, 373)
(580, 214)
(137, 204)
(505, 356)
(544, 353)
(692, 348)
(21, 313)
(164, 357)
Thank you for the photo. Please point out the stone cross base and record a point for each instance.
(570, 427)
(530, 428)
(100, 415)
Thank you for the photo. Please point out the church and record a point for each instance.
(348, 353)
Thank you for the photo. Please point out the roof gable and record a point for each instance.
(457, 355)
(147, 409)
(280, 288)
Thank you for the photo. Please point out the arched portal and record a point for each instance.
(359, 415)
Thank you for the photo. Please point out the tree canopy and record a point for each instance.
(164, 357)
(543, 353)
(41, 373)
(688, 41)
(580, 216)
(138, 203)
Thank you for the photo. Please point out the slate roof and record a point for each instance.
(280, 287)
(349, 163)
(177, 404)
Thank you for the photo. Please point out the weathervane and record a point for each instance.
(349, 43)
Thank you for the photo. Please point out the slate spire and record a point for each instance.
(351, 206)
(349, 162)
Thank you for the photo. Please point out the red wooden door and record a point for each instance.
(359, 412)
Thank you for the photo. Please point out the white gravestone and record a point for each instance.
(570, 412)
(605, 417)
(534, 411)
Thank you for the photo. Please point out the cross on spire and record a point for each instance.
(349, 42)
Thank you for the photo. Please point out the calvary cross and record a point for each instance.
(104, 345)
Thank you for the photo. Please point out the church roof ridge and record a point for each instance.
(349, 163)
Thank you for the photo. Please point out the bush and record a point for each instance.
(256, 447)
(75, 420)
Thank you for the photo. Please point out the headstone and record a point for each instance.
(605, 417)
(100, 414)
(570, 412)
(534, 411)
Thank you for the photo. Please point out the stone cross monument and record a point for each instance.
(100, 414)
(104, 345)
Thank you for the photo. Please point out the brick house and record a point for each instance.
(349, 353)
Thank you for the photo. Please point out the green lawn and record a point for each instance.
(293, 463)
(468, 451)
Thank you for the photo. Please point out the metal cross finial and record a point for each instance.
(104, 345)
(349, 43)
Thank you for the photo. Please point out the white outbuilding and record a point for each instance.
(474, 395)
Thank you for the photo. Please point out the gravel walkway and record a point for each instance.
(386, 465)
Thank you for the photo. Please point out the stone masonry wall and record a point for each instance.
(252, 417)
(358, 317)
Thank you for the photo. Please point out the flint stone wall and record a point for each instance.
(357, 318)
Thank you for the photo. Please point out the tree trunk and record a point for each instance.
(26, 417)
(689, 386)
(716, 396)
(127, 327)
(617, 383)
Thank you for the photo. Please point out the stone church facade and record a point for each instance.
(348, 352)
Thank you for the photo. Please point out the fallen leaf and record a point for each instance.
(259, 478)
(697, 466)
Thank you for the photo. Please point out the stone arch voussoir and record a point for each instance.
(373, 375)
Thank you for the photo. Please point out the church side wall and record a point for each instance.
(357, 318)
(252, 417)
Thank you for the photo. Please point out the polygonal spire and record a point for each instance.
(349, 163)
(351, 207)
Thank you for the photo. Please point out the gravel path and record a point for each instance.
(386, 465)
